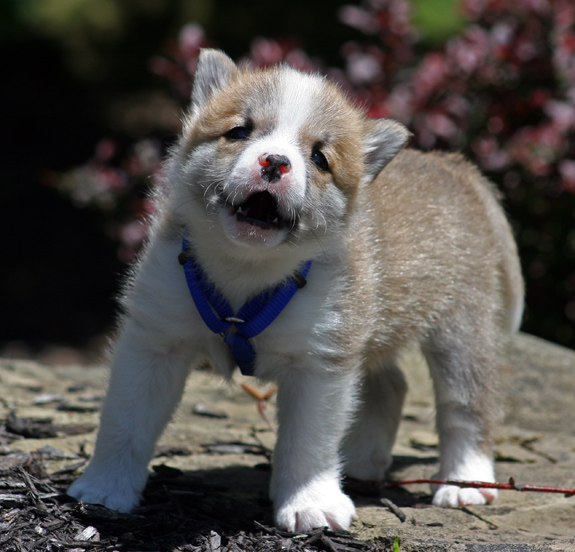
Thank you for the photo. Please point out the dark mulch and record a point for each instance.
(180, 512)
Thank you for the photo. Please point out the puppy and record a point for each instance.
(280, 188)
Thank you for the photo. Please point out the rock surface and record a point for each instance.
(225, 459)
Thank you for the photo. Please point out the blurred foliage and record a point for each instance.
(438, 20)
(492, 78)
(100, 38)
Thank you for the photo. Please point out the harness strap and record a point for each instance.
(252, 318)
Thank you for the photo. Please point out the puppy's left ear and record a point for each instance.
(215, 70)
(382, 141)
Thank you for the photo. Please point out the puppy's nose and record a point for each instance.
(274, 166)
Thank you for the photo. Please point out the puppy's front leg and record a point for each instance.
(314, 411)
(145, 387)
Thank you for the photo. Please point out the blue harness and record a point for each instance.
(253, 318)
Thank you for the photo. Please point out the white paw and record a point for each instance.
(318, 504)
(111, 489)
(450, 496)
(476, 467)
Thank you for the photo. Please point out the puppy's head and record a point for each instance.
(276, 157)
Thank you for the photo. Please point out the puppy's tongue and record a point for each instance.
(260, 209)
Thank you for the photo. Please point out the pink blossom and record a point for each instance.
(133, 233)
(457, 105)
(489, 154)
(562, 115)
(266, 52)
(567, 172)
(191, 39)
(470, 50)
(441, 125)
(300, 60)
(359, 19)
(430, 75)
(537, 148)
(363, 68)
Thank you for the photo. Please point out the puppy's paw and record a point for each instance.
(114, 492)
(450, 496)
(319, 504)
(476, 468)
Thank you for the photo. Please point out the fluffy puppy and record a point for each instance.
(276, 168)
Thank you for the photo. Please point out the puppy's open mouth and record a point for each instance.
(261, 210)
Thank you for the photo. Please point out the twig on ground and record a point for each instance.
(393, 508)
(510, 486)
(490, 524)
(262, 401)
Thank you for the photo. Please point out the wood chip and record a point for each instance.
(88, 534)
(235, 448)
(47, 398)
(43, 428)
(65, 406)
(12, 500)
(202, 409)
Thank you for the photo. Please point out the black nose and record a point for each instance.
(274, 166)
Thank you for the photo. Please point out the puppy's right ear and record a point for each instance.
(214, 71)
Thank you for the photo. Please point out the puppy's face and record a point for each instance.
(274, 157)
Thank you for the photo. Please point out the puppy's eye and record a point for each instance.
(239, 133)
(319, 160)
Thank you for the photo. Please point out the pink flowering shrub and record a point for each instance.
(502, 91)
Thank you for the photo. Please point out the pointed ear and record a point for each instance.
(382, 142)
(214, 71)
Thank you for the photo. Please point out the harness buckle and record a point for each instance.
(233, 320)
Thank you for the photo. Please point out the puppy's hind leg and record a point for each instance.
(367, 446)
(463, 369)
